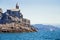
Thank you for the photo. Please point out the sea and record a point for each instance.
(39, 35)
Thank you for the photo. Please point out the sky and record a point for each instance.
(38, 11)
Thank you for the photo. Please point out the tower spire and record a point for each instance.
(17, 6)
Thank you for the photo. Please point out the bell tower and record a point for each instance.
(1, 13)
(1, 10)
(17, 6)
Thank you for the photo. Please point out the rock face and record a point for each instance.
(12, 21)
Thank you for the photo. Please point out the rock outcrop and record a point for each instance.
(12, 21)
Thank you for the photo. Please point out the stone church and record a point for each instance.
(12, 15)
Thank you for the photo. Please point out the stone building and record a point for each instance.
(26, 22)
(14, 15)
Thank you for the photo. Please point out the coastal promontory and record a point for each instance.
(13, 21)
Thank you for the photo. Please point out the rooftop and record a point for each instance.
(14, 9)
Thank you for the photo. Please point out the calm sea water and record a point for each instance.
(40, 35)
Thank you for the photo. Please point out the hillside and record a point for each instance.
(46, 27)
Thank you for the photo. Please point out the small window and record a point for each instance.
(18, 21)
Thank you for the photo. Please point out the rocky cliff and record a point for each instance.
(12, 21)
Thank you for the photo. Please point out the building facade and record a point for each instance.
(13, 16)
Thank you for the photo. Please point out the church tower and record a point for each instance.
(1, 10)
(1, 13)
(17, 6)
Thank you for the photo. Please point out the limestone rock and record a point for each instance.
(12, 21)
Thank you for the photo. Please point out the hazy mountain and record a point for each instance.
(46, 27)
(58, 25)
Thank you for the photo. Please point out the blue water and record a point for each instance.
(40, 35)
